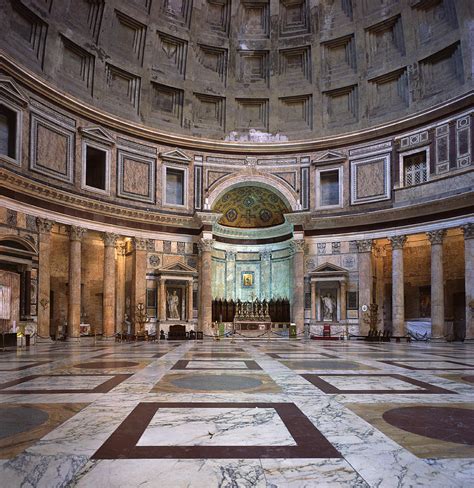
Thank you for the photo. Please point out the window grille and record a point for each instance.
(416, 170)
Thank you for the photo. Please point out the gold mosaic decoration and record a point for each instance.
(251, 207)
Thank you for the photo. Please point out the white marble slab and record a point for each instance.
(369, 383)
(61, 383)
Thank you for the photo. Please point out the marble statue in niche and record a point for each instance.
(173, 305)
(328, 307)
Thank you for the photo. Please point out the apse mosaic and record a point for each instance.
(251, 207)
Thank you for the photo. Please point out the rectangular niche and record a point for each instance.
(388, 93)
(77, 65)
(254, 19)
(253, 67)
(136, 177)
(370, 179)
(123, 86)
(95, 167)
(442, 71)
(329, 187)
(129, 37)
(87, 15)
(172, 53)
(341, 106)
(252, 113)
(385, 42)
(296, 113)
(175, 192)
(10, 133)
(51, 149)
(167, 103)
(435, 19)
(209, 111)
(218, 15)
(294, 17)
(30, 30)
(295, 63)
(214, 62)
(338, 57)
(178, 10)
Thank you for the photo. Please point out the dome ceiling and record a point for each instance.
(251, 207)
(238, 70)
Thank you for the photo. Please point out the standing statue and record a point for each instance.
(329, 305)
(173, 305)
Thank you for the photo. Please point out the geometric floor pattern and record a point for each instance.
(237, 413)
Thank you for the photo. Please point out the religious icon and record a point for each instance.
(247, 279)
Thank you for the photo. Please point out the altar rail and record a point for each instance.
(225, 310)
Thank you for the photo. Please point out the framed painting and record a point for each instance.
(247, 279)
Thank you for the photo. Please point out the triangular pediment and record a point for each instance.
(176, 155)
(328, 268)
(9, 90)
(329, 157)
(98, 134)
(177, 267)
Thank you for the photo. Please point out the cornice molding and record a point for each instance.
(39, 86)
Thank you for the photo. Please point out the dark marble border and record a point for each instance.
(326, 387)
(104, 387)
(413, 368)
(182, 364)
(21, 368)
(310, 443)
(276, 355)
(131, 357)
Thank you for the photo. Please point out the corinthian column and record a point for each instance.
(398, 299)
(437, 284)
(108, 291)
(74, 299)
(205, 288)
(265, 273)
(366, 280)
(468, 230)
(297, 306)
(44, 279)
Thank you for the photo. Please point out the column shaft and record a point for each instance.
(366, 280)
(162, 300)
(437, 285)
(189, 304)
(298, 285)
(398, 290)
(205, 304)
(313, 300)
(120, 288)
(469, 278)
(138, 278)
(74, 289)
(343, 301)
(108, 292)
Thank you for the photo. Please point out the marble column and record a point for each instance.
(366, 281)
(76, 235)
(162, 300)
(436, 238)
(140, 247)
(120, 286)
(468, 230)
(230, 275)
(343, 301)
(313, 301)
(205, 302)
(265, 274)
(297, 306)
(44, 279)
(108, 290)
(189, 297)
(398, 286)
(379, 298)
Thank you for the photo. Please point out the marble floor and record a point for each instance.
(235, 413)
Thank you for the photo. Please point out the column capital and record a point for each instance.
(76, 233)
(44, 225)
(110, 239)
(468, 230)
(139, 244)
(297, 245)
(231, 255)
(436, 236)
(266, 255)
(397, 241)
(205, 245)
(121, 248)
(365, 245)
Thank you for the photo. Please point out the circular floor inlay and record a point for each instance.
(106, 365)
(443, 423)
(216, 382)
(469, 379)
(16, 420)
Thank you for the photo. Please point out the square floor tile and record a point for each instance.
(332, 364)
(306, 440)
(371, 384)
(63, 384)
(300, 355)
(193, 364)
